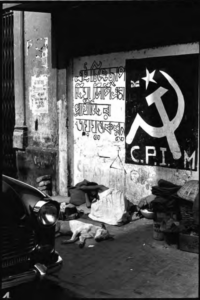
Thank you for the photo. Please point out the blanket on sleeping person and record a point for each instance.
(77, 193)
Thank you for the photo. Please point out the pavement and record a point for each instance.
(133, 265)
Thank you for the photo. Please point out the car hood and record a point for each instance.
(28, 194)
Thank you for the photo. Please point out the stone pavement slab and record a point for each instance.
(133, 265)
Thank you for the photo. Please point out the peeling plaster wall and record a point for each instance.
(99, 153)
(41, 110)
(41, 155)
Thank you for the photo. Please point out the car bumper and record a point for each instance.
(39, 271)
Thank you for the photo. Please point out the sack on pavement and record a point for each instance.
(110, 208)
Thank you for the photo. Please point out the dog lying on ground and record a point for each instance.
(81, 231)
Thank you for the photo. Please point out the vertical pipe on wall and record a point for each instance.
(20, 130)
(59, 59)
(22, 75)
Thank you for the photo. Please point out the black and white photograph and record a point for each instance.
(100, 149)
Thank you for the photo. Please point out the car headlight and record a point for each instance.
(47, 213)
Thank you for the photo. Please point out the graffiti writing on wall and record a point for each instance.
(95, 170)
(161, 111)
(100, 92)
(95, 127)
(91, 109)
(93, 84)
(97, 73)
(104, 83)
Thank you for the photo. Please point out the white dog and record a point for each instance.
(81, 231)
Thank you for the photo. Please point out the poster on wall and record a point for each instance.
(38, 94)
(161, 118)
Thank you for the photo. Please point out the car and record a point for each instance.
(28, 219)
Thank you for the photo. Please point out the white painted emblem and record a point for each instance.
(149, 77)
(168, 127)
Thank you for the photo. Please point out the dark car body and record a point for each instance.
(28, 243)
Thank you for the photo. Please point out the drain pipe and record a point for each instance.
(23, 64)
(20, 130)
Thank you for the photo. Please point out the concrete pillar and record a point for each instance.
(62, 142)
(65, 129)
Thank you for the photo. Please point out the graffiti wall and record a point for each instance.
(136, 118)
(97, 89)
(99, 117)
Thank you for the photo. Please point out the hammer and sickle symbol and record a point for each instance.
(168, 127)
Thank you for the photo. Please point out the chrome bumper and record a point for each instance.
(39, 271)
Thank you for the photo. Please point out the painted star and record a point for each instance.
(149, 77)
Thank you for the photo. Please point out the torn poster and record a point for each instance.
(38, 94)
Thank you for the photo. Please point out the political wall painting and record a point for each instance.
(161, 124)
